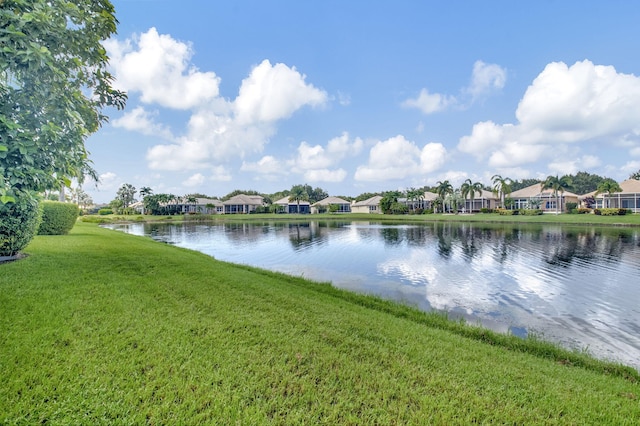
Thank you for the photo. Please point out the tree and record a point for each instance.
(501, 187)
(584, 182)
(54, 85)
(470, 188)
(635, 175)
(126, 194)
(608, 186)
(298, 193)
(443, 189)
(388, 201)
(558, 186)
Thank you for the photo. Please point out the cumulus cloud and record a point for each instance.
(143, 121)
(266, 165)
(194, 180)
(586, 162)
(398, 158)
(274, 92)
(429, 103)
(583, 103)
(485, 79)
(157, 66)
(325, 175)
(159, 69)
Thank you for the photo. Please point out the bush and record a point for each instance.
(611, 212)
(104, 212)
(486, 210)
(530, 212)
(571, 206)
(57, 218)
(583, 211)
(18, 223)
(427, 211)
(505, 212)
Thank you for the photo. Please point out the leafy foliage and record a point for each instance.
(19, 221)
(57, 218)
(53, 86)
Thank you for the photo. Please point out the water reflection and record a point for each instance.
(577, 286)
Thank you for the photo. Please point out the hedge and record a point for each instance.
(18, 223)
(57, 218)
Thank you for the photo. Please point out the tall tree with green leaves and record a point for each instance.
(443, 189)
(501, 187)
(635, 175)
(557, 186)
(470, 189)
(608, 186)
(298, 193)
(54, 85)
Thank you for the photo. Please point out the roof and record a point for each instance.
(484, 194)
(243, 199)
(629, 186)
(284, 201)
(331, 200)
(205, 201)
(373, 201)
(536, 190)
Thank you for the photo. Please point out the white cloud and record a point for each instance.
(266, 165)
(630, 167)
(194, 180)
(584, 103)
(319, 157)
(485, 79)
(429, 103)
(586, 162)
(325, 175)
(142, 121)
(398, 158)
(158, 67)
(274, 92)
(220, 174)
(635, 152)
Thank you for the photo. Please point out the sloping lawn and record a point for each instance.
(100, 327)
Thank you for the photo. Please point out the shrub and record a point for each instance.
(611, 212)
(530, 212)
(104, 212)
(486, 210)
(505, 212)
(18, 223)
(57, 218)
(571, 206)
(583, 211)
(427, 211)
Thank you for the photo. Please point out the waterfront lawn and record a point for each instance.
(100, 327)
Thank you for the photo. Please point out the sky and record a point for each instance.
(358, 97)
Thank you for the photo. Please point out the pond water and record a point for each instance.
(576, 286)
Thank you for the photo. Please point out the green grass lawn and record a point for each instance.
(562, 219)
(100, 327)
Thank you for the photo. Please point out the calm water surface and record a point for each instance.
(576, 286)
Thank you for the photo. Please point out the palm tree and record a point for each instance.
(144, 192)
(635, 175)
(501, 187)
(469, 188)
(609, 186)
(557, 185)
(442, 189)
(298, 193)
(414, 195)
(193, 200)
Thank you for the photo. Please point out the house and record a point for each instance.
(324, 205)
(629, 198)
(243, 204)
(370, 205)
(202, 206)
(287, 206)
(484, 200)
(534, 197)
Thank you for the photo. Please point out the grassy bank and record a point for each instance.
(103, 327)
(562, 219)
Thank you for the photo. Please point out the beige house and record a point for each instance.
(286, 206)
(370, 205)
(629, 198)
(243, 204)
(534, 197)
(202, 205)
(484, 200)
(323, 205)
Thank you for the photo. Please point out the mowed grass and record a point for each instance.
(100, 327)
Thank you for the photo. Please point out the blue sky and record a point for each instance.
(360, 97)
